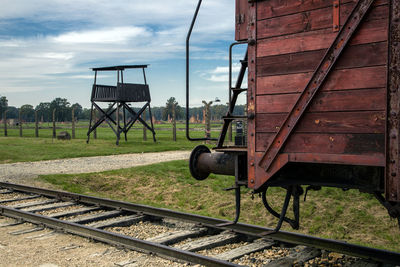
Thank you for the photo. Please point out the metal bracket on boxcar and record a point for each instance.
(295, 191)
(392, 208)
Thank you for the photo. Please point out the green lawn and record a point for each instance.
(15, 149)
(330, 213)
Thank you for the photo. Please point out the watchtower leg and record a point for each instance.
(124, 129)
(152, 127)
(118, 132)
(90, 124)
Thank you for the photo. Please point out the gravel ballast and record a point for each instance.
(15, 172)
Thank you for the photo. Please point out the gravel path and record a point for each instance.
(14, 172)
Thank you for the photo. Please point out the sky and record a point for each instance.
(48, 47)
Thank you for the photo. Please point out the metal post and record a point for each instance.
(144, 127)
(5, 123)
(173, 122)
(20, 123)
(36, 125)
(230, 126)
(94, 119)
(54, 123)
(207, 118)
(73, 123)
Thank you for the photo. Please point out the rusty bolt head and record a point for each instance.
(252, 164)
(392, 161)
(393, 113)
(252, 181)
(252, 134)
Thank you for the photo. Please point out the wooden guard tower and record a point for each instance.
(118, 98)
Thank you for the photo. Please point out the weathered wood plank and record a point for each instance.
(18, 199)
(310, 20)
(274, 8)
(73, 212)
(358, 78)
(209, 242)
(96, 217)
(256, 246)
(327, 143)
(348, 100)
(119, 221)
(175, 237)
(32, 204)
(48, 206)
(26, 231)
(353, 57)
(369, 32)
(241, 19)
(327, 122)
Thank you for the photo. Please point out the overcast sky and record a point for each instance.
(47, 47)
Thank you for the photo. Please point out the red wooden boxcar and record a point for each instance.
(323, 98)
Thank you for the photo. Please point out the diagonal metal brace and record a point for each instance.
(321, 73)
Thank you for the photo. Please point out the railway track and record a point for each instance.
(184, 237)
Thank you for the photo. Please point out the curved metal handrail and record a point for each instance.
(187, 78)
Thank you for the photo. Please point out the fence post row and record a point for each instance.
(20, 123)
(173, 122)
(5, 123)
(54, 123)
(36, 124)
(73, 123)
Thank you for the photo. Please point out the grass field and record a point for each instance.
(14, 149)
(330, 213)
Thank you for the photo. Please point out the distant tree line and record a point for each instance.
(64, 111)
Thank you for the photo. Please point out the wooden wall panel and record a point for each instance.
(369, 32)
(327, 143)
(348, 100)
(352, 57)
(358, 78)
(327, 122)
(274, 8)
(311, 20)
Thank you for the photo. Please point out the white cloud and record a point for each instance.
(115, 35)
(221, 74)
(103, 32)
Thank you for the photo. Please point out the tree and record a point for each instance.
(77, 110)
(171, 102)
(27, 113)
(63, 109)
(3, 105)
(44, 112)
(12, 112)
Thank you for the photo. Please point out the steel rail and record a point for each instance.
(383, 256)
(113, 238)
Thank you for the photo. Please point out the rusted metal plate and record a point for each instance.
(392, 184)
(336, 15)
(319, 76)
(251, 93)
